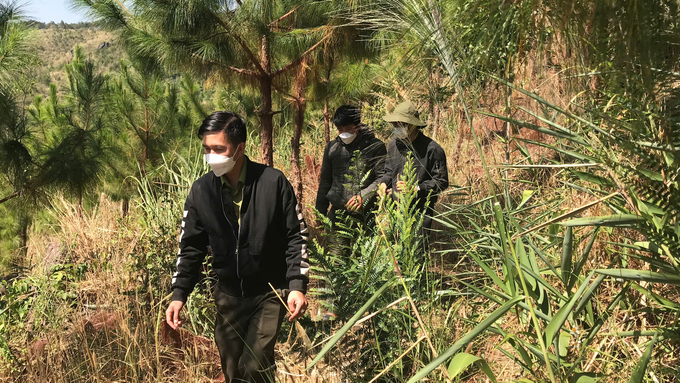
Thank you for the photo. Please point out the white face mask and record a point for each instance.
(347, 138)
(400, 132)
(220, 164)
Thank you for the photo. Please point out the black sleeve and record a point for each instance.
(377, 161)
(325, 182)
(297, 234)
(438, 171)
(193, 245)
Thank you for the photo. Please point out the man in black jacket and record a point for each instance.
(428, 157)
(248, 215)
(340, 185)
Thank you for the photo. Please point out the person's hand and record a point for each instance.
(297, 304)
(401, 186)
(354, 203)
(382, 190)
(172, 314)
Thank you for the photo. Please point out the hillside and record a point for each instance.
(54, 47)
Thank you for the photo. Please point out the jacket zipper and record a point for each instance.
(238, 239)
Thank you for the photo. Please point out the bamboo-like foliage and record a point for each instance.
(634, 141)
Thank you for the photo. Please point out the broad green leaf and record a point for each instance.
(663, 334)
(524, 261)
(542, 255)
(656, 297)
(463, 360)
(592, 178)
(586, 377)
(567, 252)
(641, 275)
(509, 274)
(480, 328)
(538, 353)
(655, 176)
(498, 215)
(548, 122)
(641, 367)
(534, 265)
(605, 220)
(526, 195)
(588, 294)
(350, 323)
(649, 246)
(561, 316)
(649, 208)
(559, 149)
(564, 339)
(544, 283)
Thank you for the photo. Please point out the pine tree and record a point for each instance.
(16, 59)
(260, 43)
(79, 145)
(149, 107)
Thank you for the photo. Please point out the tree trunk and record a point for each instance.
(299, 106)
(327, 121)
(125, 207)
(142, 167)
(266, 115)
(296, 171)
(266, 121)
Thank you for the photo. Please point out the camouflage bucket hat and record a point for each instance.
(405, 112)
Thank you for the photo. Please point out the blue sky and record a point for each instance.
(51, 10)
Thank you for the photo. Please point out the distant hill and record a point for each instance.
(54, 45)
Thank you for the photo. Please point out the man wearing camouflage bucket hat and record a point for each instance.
(428, 157)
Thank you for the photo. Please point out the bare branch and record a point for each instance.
(123, 7)
(275, 24)
(243, 45)
(298, 60)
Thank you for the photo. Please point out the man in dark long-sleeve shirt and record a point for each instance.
(339, 189)
(428, 157)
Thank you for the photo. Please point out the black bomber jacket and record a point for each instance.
(269, 246)
(429, 161)
(334, 187)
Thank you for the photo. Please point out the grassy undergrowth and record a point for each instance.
(486, 303)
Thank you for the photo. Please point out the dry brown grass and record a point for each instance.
(110, 330)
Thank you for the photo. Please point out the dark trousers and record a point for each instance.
(246, 329)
